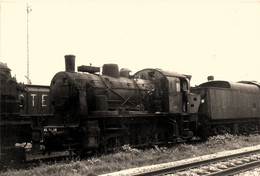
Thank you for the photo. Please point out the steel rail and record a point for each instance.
(174, 169)
(236, 169)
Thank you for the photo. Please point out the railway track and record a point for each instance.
(225, 165)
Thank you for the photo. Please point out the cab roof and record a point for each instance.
(162, 72)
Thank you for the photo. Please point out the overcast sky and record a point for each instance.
(200, 38)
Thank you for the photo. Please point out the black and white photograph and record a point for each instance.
(129, 87)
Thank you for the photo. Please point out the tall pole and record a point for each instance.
(28, 53)
(0, 32)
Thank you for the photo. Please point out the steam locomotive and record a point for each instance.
(86, 111)
(93, 111)
(23, 109)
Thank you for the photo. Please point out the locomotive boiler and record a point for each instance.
(99, 111)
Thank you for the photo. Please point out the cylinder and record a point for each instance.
(70, 63)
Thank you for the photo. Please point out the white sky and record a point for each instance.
(200, 38)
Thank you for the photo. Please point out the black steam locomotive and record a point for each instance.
(93, 111)
(87, 111)
(13, 128)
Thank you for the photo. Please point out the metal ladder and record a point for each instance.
(185, 125)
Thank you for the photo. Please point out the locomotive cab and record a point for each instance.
(171, 93)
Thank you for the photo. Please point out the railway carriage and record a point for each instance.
(35, 106)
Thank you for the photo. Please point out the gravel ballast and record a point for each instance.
(181, 162)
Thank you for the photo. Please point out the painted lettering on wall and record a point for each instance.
(33, 97)
(43, 99)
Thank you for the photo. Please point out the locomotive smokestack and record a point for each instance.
(70, 63)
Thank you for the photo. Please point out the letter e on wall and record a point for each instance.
(43, 100)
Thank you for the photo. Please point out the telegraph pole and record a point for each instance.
(0, 32)
(28, 8)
